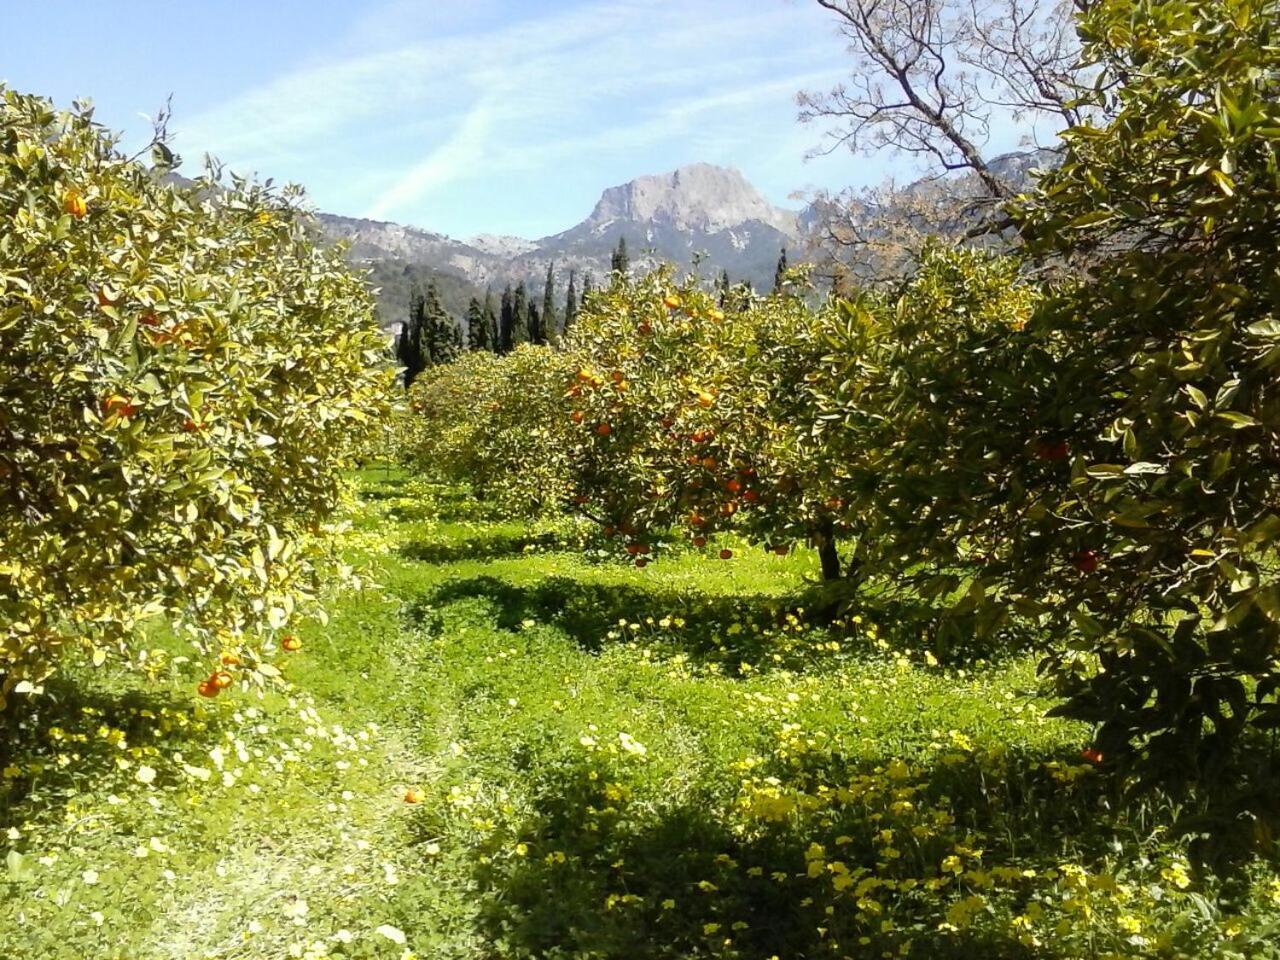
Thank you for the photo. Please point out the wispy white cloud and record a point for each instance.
(455, 157)
(422, 102)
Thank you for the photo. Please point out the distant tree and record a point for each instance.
(477, 333)
(930, 79)
(620, 262)
(780, 274)
(537, 332)
(507, 322)
(410, 345)
(570, 303)
(441, 333)
(723, 286)
(548, 326)
(490, 321)
(588, 284)
(520, 315)
(456, 338)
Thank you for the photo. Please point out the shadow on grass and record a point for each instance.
(54, 742)
(673, 877)
(489, 546)
(587, 612)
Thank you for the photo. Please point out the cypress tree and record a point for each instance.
(411, 344)
(780, 274)
(570, 304)
(588, 284)
(537, 333)
(620, 262)
(724, 287)
(490, 322)
(477, 335)
(548, 325)
(443, 335)
(520, 315)
(507, 322)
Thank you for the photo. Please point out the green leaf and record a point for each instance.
(1238, 421)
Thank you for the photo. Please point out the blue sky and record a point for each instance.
(463, 116)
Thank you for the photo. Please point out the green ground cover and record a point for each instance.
(606, 762)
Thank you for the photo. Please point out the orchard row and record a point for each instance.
(1075, 447)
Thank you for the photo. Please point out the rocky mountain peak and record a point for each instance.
(698, 197)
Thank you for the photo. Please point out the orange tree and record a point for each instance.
(1176, 207)
(496, 423)
(181, 371)
(684, 417)
(1097, 460)
(924, 400)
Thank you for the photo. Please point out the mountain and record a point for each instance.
(697, 210)
(700, 212)
(699, 216)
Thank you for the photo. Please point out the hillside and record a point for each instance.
(699, 216)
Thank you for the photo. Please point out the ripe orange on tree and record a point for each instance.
(1086, 561)
(119, 405)
(74, 204)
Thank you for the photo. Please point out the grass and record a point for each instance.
(613, 762)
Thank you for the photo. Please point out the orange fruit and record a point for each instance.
(726, 554)
(221, 679)
(671, 301)
(291, 643)
(641, 562)
(74, 204)
(413, 795)
(699, 541)
(118, 405)
(576, 416)
(206, 689)
(603, 429)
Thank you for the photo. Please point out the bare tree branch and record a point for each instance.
(929, 80)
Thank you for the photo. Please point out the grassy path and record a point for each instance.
(611, 762)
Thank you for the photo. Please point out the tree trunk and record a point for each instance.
(825, 541)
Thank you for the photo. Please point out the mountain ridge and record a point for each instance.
(698, 215)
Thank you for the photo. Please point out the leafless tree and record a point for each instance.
(929, 79)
